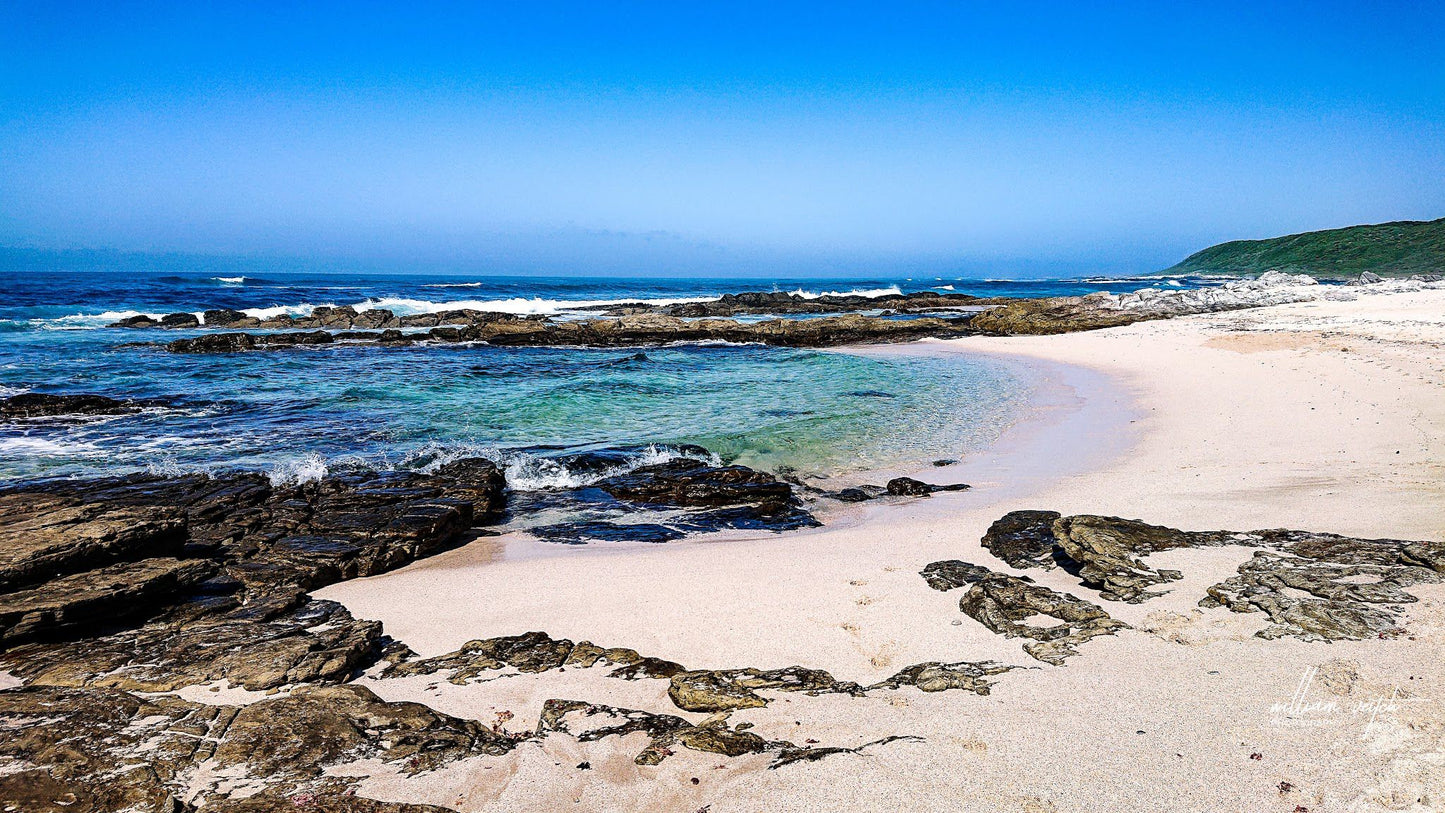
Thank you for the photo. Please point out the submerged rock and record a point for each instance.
(45, 405)
(909, 487)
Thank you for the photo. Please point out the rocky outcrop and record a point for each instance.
(84, 601)
(201, 559)
(1009, 606)
(42, 536)
(909, 487)
(589, 722)
(1102, 551)
(101, 750)
(697, 690)
(757, 302)
(1313, 586)
(1050, 315)
(29, 405)
(258, 647)
(624, 331)
(1322, 587)
(692, 483)
(734, 497)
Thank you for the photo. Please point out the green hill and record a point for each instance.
(1396, 249)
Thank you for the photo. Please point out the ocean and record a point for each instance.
(301, 413)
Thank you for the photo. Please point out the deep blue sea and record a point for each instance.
(298, 413)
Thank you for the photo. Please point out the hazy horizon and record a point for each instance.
(648, 140)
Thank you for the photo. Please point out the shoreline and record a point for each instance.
(1227, 440)
(1014, 648)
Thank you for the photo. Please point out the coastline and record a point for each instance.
(1245, 425)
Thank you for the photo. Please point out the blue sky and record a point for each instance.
(757, 138)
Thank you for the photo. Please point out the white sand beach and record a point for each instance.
(1323, 416)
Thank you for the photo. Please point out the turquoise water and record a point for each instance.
(297, 413)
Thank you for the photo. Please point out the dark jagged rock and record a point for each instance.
(74, 751)
(215, 343)
(1102, 551)
(1323, 587)
(93, 598)
(1004, 603)
(225, 317)
(375, 318)
(578, 533)
(624, 331)
(233, 342)
(316, 642)
(942, 677)
(139, 321)
(531, 652)
(1050, 315)
(234, 606)
(909, 487)
(181, 320)
(728, 689)
(766, 516)
(478, 480)
(950, 574)
(1023, 539)
(750, 303)
(809, 753)
(686, 482)
(697, 690)
(45, 405)
(42, 537)
(859, 493)
(589, 722)
(319, 726)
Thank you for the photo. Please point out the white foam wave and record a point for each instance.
(308, 469)
(530, 472)
(871, 293)
(6, 392)
(41, 447)
(303, 309)
(230, 280)
(85, 321)
(519, 306)
(943, 287)
(452, 285)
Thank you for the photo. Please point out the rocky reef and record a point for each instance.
(31, 405)
(824, 321)
(623, 331)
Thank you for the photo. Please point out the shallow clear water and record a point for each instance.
(298, 412)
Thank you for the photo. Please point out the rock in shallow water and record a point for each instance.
(44, 405)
